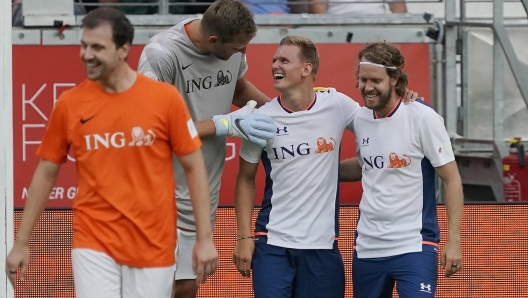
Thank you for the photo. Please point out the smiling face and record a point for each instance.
(376, 87)
(288, 69)
(99, 53)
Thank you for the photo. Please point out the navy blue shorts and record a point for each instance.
(297, 273)
(415, 275)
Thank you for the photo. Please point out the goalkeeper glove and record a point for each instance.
(243, 123)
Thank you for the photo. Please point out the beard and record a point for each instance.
(384, 99)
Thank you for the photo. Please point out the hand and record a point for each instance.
(242, 256)
(243, 123)
(17, 257)
(205, 259)
(410, 96)
(451, 258)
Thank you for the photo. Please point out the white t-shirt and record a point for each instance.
(398, 155)
(300, 205)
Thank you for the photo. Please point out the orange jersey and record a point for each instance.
(123, 144)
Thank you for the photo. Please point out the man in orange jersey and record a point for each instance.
(122, 128)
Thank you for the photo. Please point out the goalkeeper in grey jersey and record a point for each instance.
(205, 59)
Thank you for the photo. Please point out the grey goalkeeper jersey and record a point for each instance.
(207, 84)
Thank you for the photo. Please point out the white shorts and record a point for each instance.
(184, 250)
(97, 275)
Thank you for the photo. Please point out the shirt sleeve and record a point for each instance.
(156, 62)
(435, 139)
(55, 143)
(243, 67)
(250, 152)
(183, 135)
(349, 109)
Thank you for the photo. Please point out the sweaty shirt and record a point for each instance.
(123, 145)
(207, 84)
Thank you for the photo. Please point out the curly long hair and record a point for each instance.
(387, 55)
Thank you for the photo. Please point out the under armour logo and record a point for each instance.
(365, 141)
(284, 130)
(425, 288)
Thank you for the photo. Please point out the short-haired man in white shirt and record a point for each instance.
(399, 149)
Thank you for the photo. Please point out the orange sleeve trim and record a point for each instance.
(187, 30)
(261, 233)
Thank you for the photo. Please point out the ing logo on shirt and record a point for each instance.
(303, 149)
(378, 162)
(396, 162)
(324, 146)
(118, 140)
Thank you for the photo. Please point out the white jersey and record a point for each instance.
(398, 155)
(300, 206)
(207, 84)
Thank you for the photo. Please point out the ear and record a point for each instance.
(393, 81)
(124, 51)
(307, 69)
(213, 39)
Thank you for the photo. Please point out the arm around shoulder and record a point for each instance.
(350, 170)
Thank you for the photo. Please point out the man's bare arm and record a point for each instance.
(246, 91)
(245, 197)
(196, 174)
(39, 190)
(205, 256)
(206, 128)
(454, 197)
(451, 258)
(244, 203)
(350, 170)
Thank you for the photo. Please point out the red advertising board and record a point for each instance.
(42, 73)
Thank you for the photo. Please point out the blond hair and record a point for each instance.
(308, 51)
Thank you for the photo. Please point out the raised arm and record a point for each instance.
(39, 190)
(454, 201)
(205, 256)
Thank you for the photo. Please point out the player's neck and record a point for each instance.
(197, 38)
(119, 80)
(298, 99)
(391, 105)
